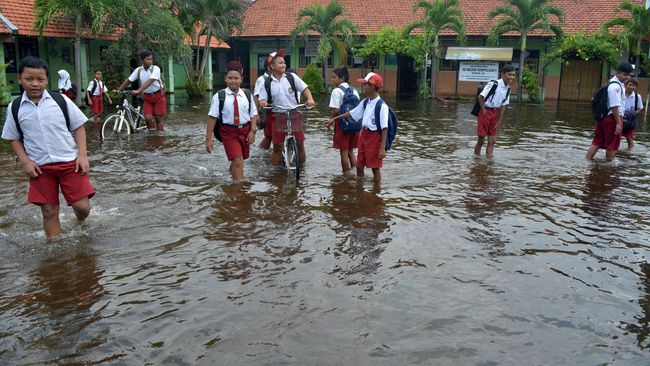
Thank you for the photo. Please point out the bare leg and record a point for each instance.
(353, 159)
(150, 123)
(593, 149)
(376, 175)
(160, 124)
(479, 145)
(345, 161)
(610, 154)
(51, 223)
(360, 172)
(630, 143)
(237, 169)
(301, 152)
(81, 208)
(490, 148)
(276, 156)
(265, 143)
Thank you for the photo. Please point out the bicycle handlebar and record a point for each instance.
(125, 92)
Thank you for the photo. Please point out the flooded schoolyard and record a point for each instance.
(535, 257)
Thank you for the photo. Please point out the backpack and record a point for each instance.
(58, 98)
(74, 91)
(477, 106)
(292, 82)
(392, 121)
(221, 94)
(630, 119)
(599, 105)
(349, 102)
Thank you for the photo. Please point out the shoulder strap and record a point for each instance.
(292, 82)
(221, 94)
(58, 98)
(378, 105)
(342, 88)
(493, 89)
(267, 87)
(94, 87)
(636, 101)
(507, 95)
(248, 96)
(15, 106)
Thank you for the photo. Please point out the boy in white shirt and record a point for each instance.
(264, 115)
(95, 95)
(49, 140)
(345, 142)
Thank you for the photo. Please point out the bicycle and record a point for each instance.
(289, 120)
(126, 120)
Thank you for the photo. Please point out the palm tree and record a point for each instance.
(525, 17)
(635, 27)
(212, 18)
(438, 16)
(333, 31)
(87, 15)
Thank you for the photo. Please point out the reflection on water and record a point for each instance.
(534, 257)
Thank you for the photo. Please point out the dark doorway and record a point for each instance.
(407, 77)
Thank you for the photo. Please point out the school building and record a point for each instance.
(57, 48)
(269, 23)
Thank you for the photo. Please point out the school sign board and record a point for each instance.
(478, 71)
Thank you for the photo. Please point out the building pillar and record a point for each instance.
(208, 68)
(169, 83)
(83, 53)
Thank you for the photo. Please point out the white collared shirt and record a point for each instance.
(228, 112)
(152, 73)
(259, 84)
(629, 102)
(337, 95)
(281, 92)
(46, 136)
(497, 99)
(100, 87)
(367, 116)
(616, 96)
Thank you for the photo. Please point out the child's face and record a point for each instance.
(147, 61)
(368, 89)
(98, 75)
(278, 65)
(335, 79)
(233, 80)
(630, 87)
(509, 77)
(34, 81)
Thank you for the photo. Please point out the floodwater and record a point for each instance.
(535, 257)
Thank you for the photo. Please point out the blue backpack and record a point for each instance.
(392, 121)
(349, 102)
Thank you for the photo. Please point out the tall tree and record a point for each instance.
(209, 18)
(525, 17)
(635, 26)
(437, 16)
(333, 31)
(87, 16)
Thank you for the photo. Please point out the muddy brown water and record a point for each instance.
(535, 257)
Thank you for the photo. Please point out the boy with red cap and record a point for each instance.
(237, 115)
(284, 89)
(372, 140)
(259, 84)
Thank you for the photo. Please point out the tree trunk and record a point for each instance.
(77, 58)
(206, 49)
(522, 60)
(424, 76)
(434, 59)
(324, 74)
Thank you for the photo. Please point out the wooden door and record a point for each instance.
(580, 80)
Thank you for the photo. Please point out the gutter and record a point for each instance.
(8, 24)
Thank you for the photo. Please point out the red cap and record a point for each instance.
(372, 79)
(272, 55)
(235, 66)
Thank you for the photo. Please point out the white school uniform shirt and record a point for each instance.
(337, 95)
(259, 84)
(100, 87)
(497, 99)
(281, 91)
(629, 102)
(152, 73)
(46, 137)
(228, 112)
(616, 96)
(367, 116)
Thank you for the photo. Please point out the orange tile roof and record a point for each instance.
(262, 19)
(21, 14)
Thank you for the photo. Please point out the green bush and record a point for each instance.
(5, 89)
(312, 76)
(531, 84)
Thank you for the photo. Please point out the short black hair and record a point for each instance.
(33, 63)
(633, 81)
(342, 73)
(98, 70)
(507, 68)
(625, 67)
(145, 54)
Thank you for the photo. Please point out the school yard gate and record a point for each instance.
(580, 80)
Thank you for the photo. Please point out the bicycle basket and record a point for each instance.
(297, 121)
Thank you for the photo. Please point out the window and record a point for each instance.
(10, 55)
(390, 59)
(448, 65)
(307, 60)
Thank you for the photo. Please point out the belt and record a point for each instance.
(156, 92)
(492, 109)
(369, 130)
(240, 126)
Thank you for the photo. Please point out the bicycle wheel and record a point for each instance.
(293, 158)
(115, 126)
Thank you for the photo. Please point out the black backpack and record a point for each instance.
(221, 94)
(58, 98)
(477, 106)
(92, 91)
(599, 106)
(630, 119)
(292, 82)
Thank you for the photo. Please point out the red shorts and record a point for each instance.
(344, 141)
(45, 187)
(605, 137)
(155, 104)
(278, 136)
(368, 155)
(98, 106)
(487, 123)
(69, 94)
(234, 141)
(629, 134)
(268, 130)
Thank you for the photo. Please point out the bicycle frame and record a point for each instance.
(289, 137)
